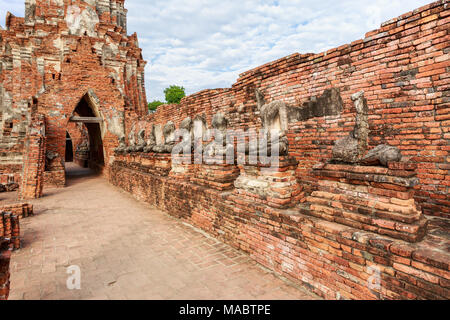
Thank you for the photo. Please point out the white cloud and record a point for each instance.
(202, 44)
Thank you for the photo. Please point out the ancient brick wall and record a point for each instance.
(21, 210)
(403, 68)
(9, 229)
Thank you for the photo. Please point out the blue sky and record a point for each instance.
(201, 44)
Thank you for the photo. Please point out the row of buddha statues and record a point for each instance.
(274, 122)
(352, 149)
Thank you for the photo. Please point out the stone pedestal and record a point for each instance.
(274, 186)
(374, 199)
(154, 163)
(182, 167)
(215, 176)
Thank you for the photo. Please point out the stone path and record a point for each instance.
(126, 250)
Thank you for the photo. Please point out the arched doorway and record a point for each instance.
(87, 112)
(69, 148)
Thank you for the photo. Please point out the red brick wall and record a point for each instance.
(9, 240)
(10, 174)
(11, 167)
(403, 67)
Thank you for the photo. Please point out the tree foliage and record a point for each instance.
(174, 94)
(152, 106)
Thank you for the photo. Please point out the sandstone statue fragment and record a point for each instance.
(352, 148)
(131, 142)
(151, 141)
(122, 148)
(169, 139)
(219, 147)
(275, 125)
(141, 143)
(383, 154)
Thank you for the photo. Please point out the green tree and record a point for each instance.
(174, 94)
(152, 106)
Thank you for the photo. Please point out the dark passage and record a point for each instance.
(69, 148)
(96, 157)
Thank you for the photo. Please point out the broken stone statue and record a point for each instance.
(122, 148)
(131, 142)
(353, 148)
(219, 147)
(383, 154)
(275, 125)
(141, 143)
(169, 139)
(187, 125)
(83, 150)
(151, 141)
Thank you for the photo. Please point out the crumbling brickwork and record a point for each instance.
(34, 160)
(5, 256)
(9, 240)
(380, 200)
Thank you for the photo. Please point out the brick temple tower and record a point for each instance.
(72, 63)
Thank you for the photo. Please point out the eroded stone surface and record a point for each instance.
(274, 119)
(351, 149)
(141, 142)
(168, 142)
(217, 150)
(382, 154)
(151, 141)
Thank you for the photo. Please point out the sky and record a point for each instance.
(206, 44)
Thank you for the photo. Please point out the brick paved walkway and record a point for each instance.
(127, 250)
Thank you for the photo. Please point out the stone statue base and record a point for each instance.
(274, 186)
(374, 199)
(215, 176)
(182, 167)
(153, 163)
